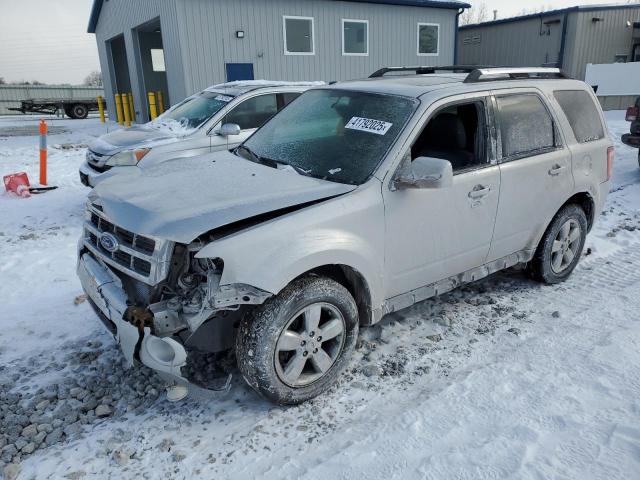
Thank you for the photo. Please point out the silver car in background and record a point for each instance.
(192, 127)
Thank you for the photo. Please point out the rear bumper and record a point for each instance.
(104, 289)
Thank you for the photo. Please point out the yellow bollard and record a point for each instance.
(125, 109)
(152, 106)
(160, 98)
(101, 108)
(119, 109)
(132, 109)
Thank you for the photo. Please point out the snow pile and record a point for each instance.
(170, 126)
(263, 83)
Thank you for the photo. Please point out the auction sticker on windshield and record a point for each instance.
(224, 98)
(368, 125)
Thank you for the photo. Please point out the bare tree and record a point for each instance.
(476, 14)
(94, 79)
(2, 81)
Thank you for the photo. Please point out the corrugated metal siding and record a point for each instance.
(120, 17)
(600, 42)
(11, 95)
(516, 44)
(617, 102)
(208, 39)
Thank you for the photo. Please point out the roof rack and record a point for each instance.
(423, 70)
(506, 73)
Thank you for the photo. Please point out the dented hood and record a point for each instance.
(184, 198)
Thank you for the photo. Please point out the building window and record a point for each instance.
(157, 60)
(621, 58)
(355, 37)
(428, 39)
(298, 36)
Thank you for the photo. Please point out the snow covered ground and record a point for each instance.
(504, 378)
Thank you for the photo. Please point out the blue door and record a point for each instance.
(239, 71)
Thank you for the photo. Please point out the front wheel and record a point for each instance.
(561, 246)
(294, 346)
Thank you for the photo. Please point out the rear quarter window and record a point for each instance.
(582, 114)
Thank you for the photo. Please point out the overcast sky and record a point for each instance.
(46, 40)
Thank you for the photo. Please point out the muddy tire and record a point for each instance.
(295, 345)
(561, 246)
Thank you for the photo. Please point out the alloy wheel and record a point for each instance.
(565, 246)
(310, 344)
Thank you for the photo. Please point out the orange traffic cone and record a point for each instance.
(17, 183)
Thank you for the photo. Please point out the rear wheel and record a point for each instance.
(294, 346)
(561, 246)
(79, 111)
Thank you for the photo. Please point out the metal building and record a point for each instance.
(182, 46)
(569, 38)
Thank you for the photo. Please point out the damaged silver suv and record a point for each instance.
(356, 200)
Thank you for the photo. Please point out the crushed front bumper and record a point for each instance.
(164, 355)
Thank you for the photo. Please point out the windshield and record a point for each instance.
(337, 135)
(196, 110)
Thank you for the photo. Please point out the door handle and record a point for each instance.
(556, 170)
(479, 191)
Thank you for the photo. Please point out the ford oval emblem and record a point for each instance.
(109, 242)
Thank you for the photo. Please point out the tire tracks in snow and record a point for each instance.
(389, 439)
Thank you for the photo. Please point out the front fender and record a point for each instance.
(347, 230)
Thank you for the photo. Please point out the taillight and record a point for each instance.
(610, 155)
(632, 114)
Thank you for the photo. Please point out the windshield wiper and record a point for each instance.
(299, 170)
(268, 161)
(254, 156)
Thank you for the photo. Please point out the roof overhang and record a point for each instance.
(551, 13)
(446, 4)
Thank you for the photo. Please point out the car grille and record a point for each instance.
(141, 257)
(97, 161)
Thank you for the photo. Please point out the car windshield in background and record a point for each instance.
(196, 110)
(338, 135)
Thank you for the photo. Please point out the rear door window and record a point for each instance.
(582, 114)
(526, 127)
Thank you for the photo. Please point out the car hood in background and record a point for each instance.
(184, 198)
(136, 136)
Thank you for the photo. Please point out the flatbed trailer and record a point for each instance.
(76, 108)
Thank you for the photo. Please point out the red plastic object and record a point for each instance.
(17, 183)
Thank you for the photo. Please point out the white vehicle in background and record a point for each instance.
(219, 118)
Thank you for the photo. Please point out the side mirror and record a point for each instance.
(229, 129)
(425, 172)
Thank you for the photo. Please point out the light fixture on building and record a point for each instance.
(239, 33)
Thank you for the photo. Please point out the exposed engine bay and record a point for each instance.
(191, 304)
